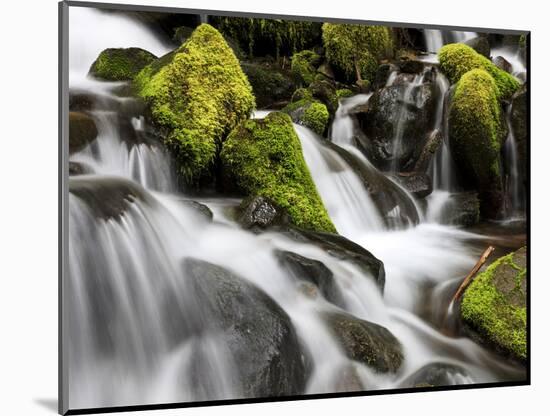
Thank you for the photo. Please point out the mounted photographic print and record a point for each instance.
(262, 208)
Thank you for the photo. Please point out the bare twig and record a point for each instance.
(466, 282)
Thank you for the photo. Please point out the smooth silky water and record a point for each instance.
(135, 328)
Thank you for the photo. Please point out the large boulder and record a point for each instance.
(476, 132)
(481, 45)
(355, 50)
(82, 131)
(463, 209)
(196, 95)
(120, 64)
(494, 307)
(366, 342)
(310, 113)
(456, 59)
(256, 330)
(418, 184)
(437, 375)
(435, 138)
(263, 157)
(314, 272)
(271, 85)
(401, 109)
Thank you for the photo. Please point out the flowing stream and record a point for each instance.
(137, 333)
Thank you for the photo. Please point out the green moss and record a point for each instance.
(119, 64)
(300, 94)
(197, 94)
(304, 65)
(344, 93)
(264, 158)
(316, 117)
(355, 50)
(456, 59)
(476, 129)
(262, 37)
(494, 305)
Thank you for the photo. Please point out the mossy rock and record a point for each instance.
(82, 131)
(355, 50)
(197, 95)
(476, 132)
(120, 64)
(304, 66)
(309, 113)
(263, 157)
(344, 93)
(456, 59)
(270, 84)
(494, 305)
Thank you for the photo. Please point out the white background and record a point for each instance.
(28, 204)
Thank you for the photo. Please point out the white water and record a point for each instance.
(435, 39)
(513, 57)
(515, 196)
(136, 334)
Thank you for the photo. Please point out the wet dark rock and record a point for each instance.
(340, 248)
(106, 197)
(437, 375)
(82, 131)
(503, 64)
(382, 74)
(381, 119)
(258, 332)
(519, 121)
(126, 106)
(78, 168)
(199, 208)
(429, 150)
(417, 183)
(410, 66)
(366, 342)
(325, 91)
(271, 85)
(481, 45)
(326, 70)
(312, 271)
(464, 210)
(260, 212)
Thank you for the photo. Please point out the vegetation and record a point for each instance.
(355, 50)
(198, 94)
(261, 37)
(264, 158)
(476, 131)
(119, 64)
(457, 59)
(316, 117)
(494, 304)
(304, 66)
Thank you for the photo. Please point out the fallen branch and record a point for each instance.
(466, 282)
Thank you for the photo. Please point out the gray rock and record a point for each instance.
(481, 45)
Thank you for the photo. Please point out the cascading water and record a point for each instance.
(435, 39)
(140, 329)
(514, 189)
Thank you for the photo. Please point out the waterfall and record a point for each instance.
(344, 195)
(513, 183)
(435, 39)
(139, 324)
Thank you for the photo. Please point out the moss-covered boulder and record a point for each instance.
(197, 95)
(271, 85)
(82, 131)
(366, 342)
(355, 50)
(477, 131)
(120, 64)
(264, 157)
(494, 305)
(309, 113)
(304, 66)
(456, 59)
